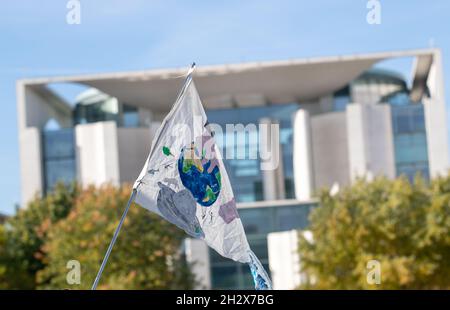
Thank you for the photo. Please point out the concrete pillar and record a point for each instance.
(133, 148)
(145, 117)
(31, 164)
(302, 156)
(330, 149)
(370, 141)
(197, 253)
(273, 177)
(436, 120)
(284, 259)
(97, 153)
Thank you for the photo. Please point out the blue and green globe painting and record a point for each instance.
(200, 176)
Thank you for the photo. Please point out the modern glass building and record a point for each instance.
(410, 139)
(94, 106)
(91, 106)
(340, 118)
(59, 157)
(370, 88)
(258, 223)
(246, 174)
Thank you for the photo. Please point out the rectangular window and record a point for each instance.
(410, 142)
(258, 222)
(59, 157)
(130, 116)
(245, 174)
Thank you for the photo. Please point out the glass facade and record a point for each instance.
(107, 110)
(258, 222)
(245, 174)
(58, 156)
(375, 84)
(410, 141)
(95, 106)
(408, 120)
(130, 116)
(100, 111)
(341, 99)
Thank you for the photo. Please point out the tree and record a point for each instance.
(74, 224)
(24, 234)
(403, 226)
(3, 260)
(146, 256)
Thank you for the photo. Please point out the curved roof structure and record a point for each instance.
(246, 84)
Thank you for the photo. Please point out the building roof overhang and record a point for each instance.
(246, 84)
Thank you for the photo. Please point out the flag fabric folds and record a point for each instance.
(184, 181)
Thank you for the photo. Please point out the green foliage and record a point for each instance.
(406, 227)
(21, 255)
(146, 255)
(3, 261)
(74, 224)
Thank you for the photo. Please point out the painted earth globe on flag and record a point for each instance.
(199, 175)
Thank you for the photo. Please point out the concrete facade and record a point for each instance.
(96, 153)
(284, 259)
(344, 145)
(436, 119)
(365, 148)
(332, 145)
(370, 144)
(330, 149)
(197, 254)
(303, 163)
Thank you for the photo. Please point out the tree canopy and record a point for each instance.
(403, 226)
(71, 224)
(24, 234)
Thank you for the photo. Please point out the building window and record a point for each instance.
(130, 116)
(94, 106)
(58, 157)
(258, 222)
(341, 99)
(245, 174)
(100, 111)
(410, 141)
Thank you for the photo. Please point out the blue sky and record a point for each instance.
(141, 34)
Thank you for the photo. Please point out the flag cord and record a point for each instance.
(113, 240)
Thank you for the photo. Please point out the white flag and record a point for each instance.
(184, 181)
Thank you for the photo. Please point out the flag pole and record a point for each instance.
(113, 240)
(125, 212)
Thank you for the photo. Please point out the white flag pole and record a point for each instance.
(113, 240)
(125, 212)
